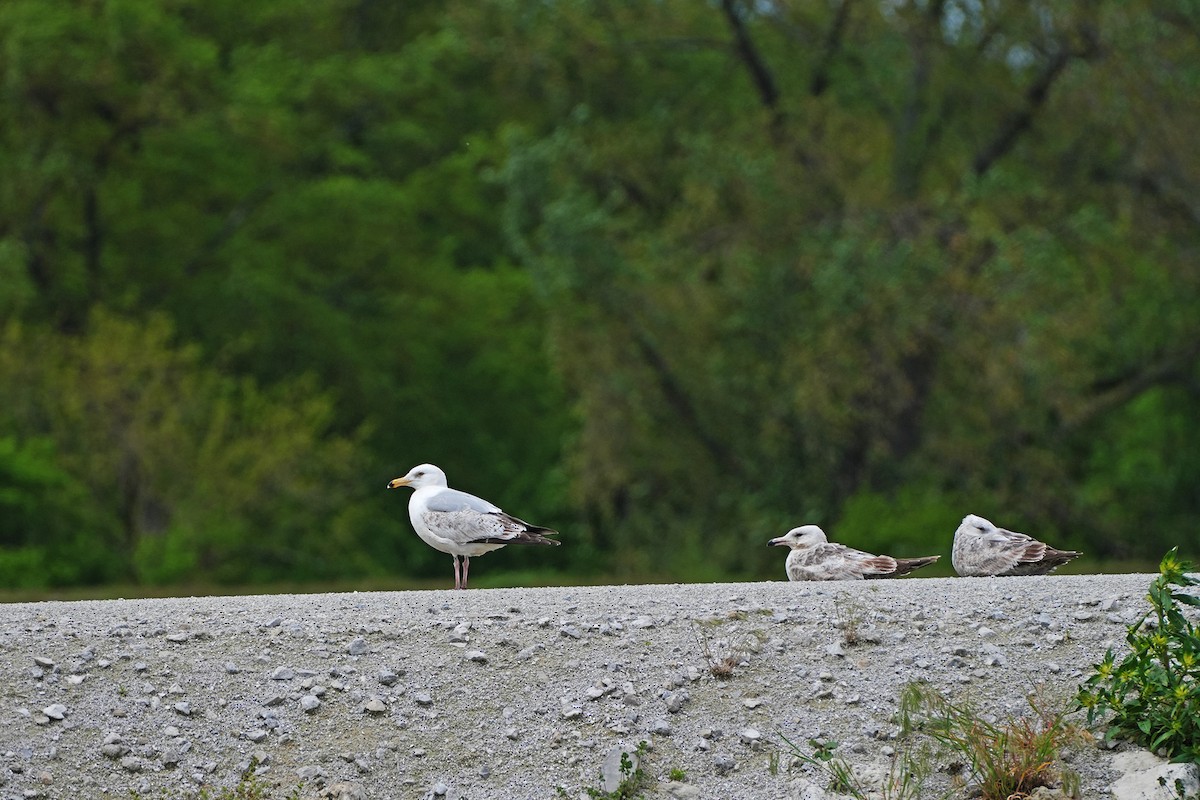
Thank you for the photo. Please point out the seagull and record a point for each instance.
(815, 558)
(461, 524)
(980, 548)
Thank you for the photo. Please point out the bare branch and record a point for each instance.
(764, 82)
(830, 49)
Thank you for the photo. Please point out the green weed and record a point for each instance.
(906, 777)
(1005, 759)
(1152, 697)
(848, 616)
(249, 787)
(633, 780)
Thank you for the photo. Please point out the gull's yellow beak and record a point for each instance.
(396, 483)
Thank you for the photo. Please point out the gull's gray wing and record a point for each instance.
(835, 562)
(997, 551)
(467, 519)
(449, 500)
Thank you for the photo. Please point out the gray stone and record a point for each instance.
(375, 706)
(477, 656)
(723, 763)
(55, 711)
(529, 652)
(611, 775)
(283, 674)
(387, 677)
(357, 646)
(114, 750)
(309, 703)
(344, 791)
(311, 773)
(750, 736)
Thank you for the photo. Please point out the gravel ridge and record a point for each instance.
(512, 693)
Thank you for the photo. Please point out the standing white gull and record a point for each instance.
(461, 524)
(815, 558)
(980, 548)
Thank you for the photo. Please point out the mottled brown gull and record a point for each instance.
(815, 558)
(982, 549)
(461, 524)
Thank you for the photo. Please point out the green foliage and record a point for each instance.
(634, 780)
(186, 463)
(249, 787)
(45, 522)
(670, 295)
(1152, 697)
(1006, 758)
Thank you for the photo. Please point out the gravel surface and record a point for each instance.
(511, 693)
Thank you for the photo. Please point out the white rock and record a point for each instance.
(1154, 779)
(55, 711)
(610, 770)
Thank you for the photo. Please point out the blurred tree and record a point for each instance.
(820, 260)
(672, 276)
(198, 476)
(300, 193)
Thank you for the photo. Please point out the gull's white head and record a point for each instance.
(804, 536)
(419, 476)
(973, 524)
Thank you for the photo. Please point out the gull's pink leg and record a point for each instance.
(457, 580)
(466, 567)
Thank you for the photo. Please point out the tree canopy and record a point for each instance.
(670, 277)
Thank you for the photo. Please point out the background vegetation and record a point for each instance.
(672, 277)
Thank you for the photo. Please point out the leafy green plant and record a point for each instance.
(1153, 696)
(633, 780)
(676, 774)
(1005, 759)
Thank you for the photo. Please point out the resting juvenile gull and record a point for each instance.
(980, 548)
(461, 524)
(815, 558)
